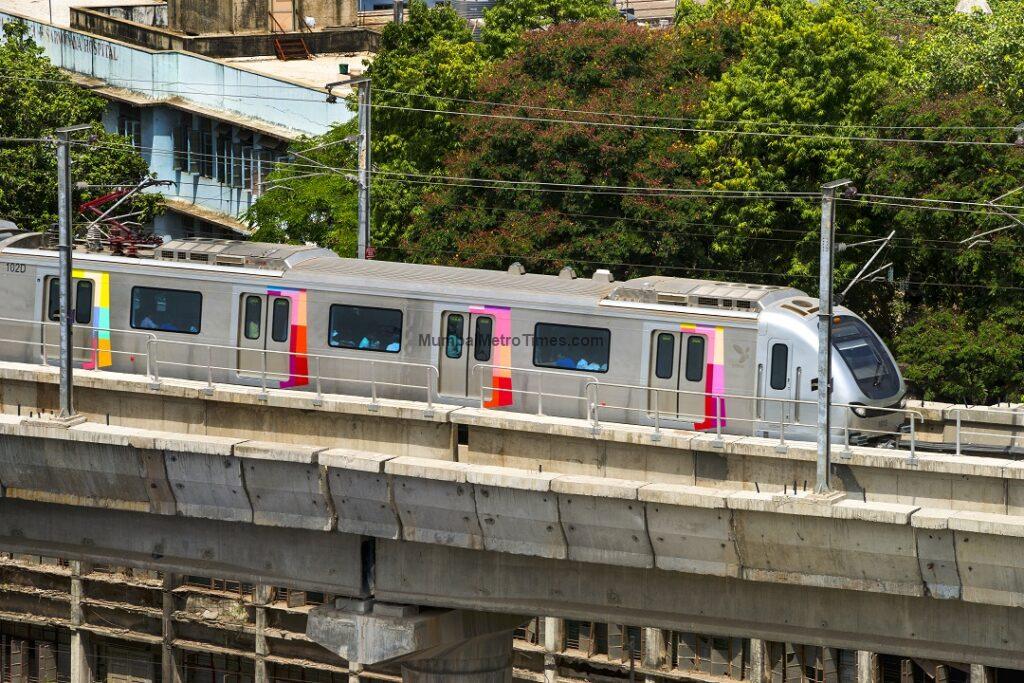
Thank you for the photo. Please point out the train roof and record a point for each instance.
(313, 264)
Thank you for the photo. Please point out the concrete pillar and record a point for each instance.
(981, 674)
(867, 667)
(554, 639)
(758, 661)
(169, 670)
(261, 598)
(432, 645)
(484, 659)
(82, 655)
(653, 656)
(353, 672)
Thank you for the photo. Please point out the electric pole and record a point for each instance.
(65, 212)
(399, 11)
(365, 161)
(823, 484)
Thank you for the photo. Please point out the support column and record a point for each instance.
(432, 645)
(981, 674)
(867, 667)
(653, 656)
(261, 598)
(554, 639)
(758, 661)
(82, 655)
(169, 670)
(353, 672)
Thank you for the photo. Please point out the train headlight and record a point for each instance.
(860, 411)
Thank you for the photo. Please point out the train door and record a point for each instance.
(264, 326)
(777, 384)
(83, 293)
(679, 362)
(466, 341)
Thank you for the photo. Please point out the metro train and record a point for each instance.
(690, 354)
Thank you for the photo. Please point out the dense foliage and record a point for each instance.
(40, 100)
(641, 124)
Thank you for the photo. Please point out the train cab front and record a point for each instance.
(866, 379)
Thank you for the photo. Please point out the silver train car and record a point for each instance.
(677, 353)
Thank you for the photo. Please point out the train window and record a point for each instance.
(483, 339)
(695, 358)
(53, 305)
(83, 302)
(780, 366)
(166, 310)
(570, 347)
(665, 356)
(365, 328)
(281, 324)
(453, 336)
(253, 317)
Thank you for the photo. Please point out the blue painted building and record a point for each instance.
(215, 129)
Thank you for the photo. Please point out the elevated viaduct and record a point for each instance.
(500, 515)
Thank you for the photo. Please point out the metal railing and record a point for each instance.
(1017, 414)
(157, 353)
(584, 380)
(652, 408)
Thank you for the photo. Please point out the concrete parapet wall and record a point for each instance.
(823, 542)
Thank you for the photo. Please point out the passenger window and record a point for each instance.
(695, 358)
(569, 347)
(166, 310)
(281, 324)
(83, 302)
(365, 328)
(665, 356)
(453, 336)
(483, 339)
(53, 302)
(780, 366)
(253, 317)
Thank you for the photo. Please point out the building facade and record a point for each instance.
(212, 127)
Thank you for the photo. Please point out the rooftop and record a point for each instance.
(316, 72)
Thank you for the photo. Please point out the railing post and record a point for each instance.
(482, 389)
(913, 440)
(656, 436)
(958, 414)
(430, 392)
(373, 387)
(263, 377)
(720, 401)
(151, 351)
(847, 452)
(209, 371)
(596, 422)
(781, 447)
(319, 400)
(540, 394)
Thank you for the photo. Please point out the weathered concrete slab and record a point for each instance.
(284, 485)
(851, 545)
(518, 512)
(690, 529)
(361, 492)
(208, 484)
(93, 466)
(936, 553)
(603, 520)
(435, 502)
(990, 557)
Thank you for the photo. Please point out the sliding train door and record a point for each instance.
(678, 365)
(264, 337)
(466, 342)
(90, 313)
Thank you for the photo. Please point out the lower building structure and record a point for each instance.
(66, 621)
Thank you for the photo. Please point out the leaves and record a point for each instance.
(40, 100)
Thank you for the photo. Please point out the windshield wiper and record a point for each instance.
(878, 373)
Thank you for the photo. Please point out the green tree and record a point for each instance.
(35, 103)
(508, 20)
(563, 73)
(422, 65)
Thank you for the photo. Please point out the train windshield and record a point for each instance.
(863, 352)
